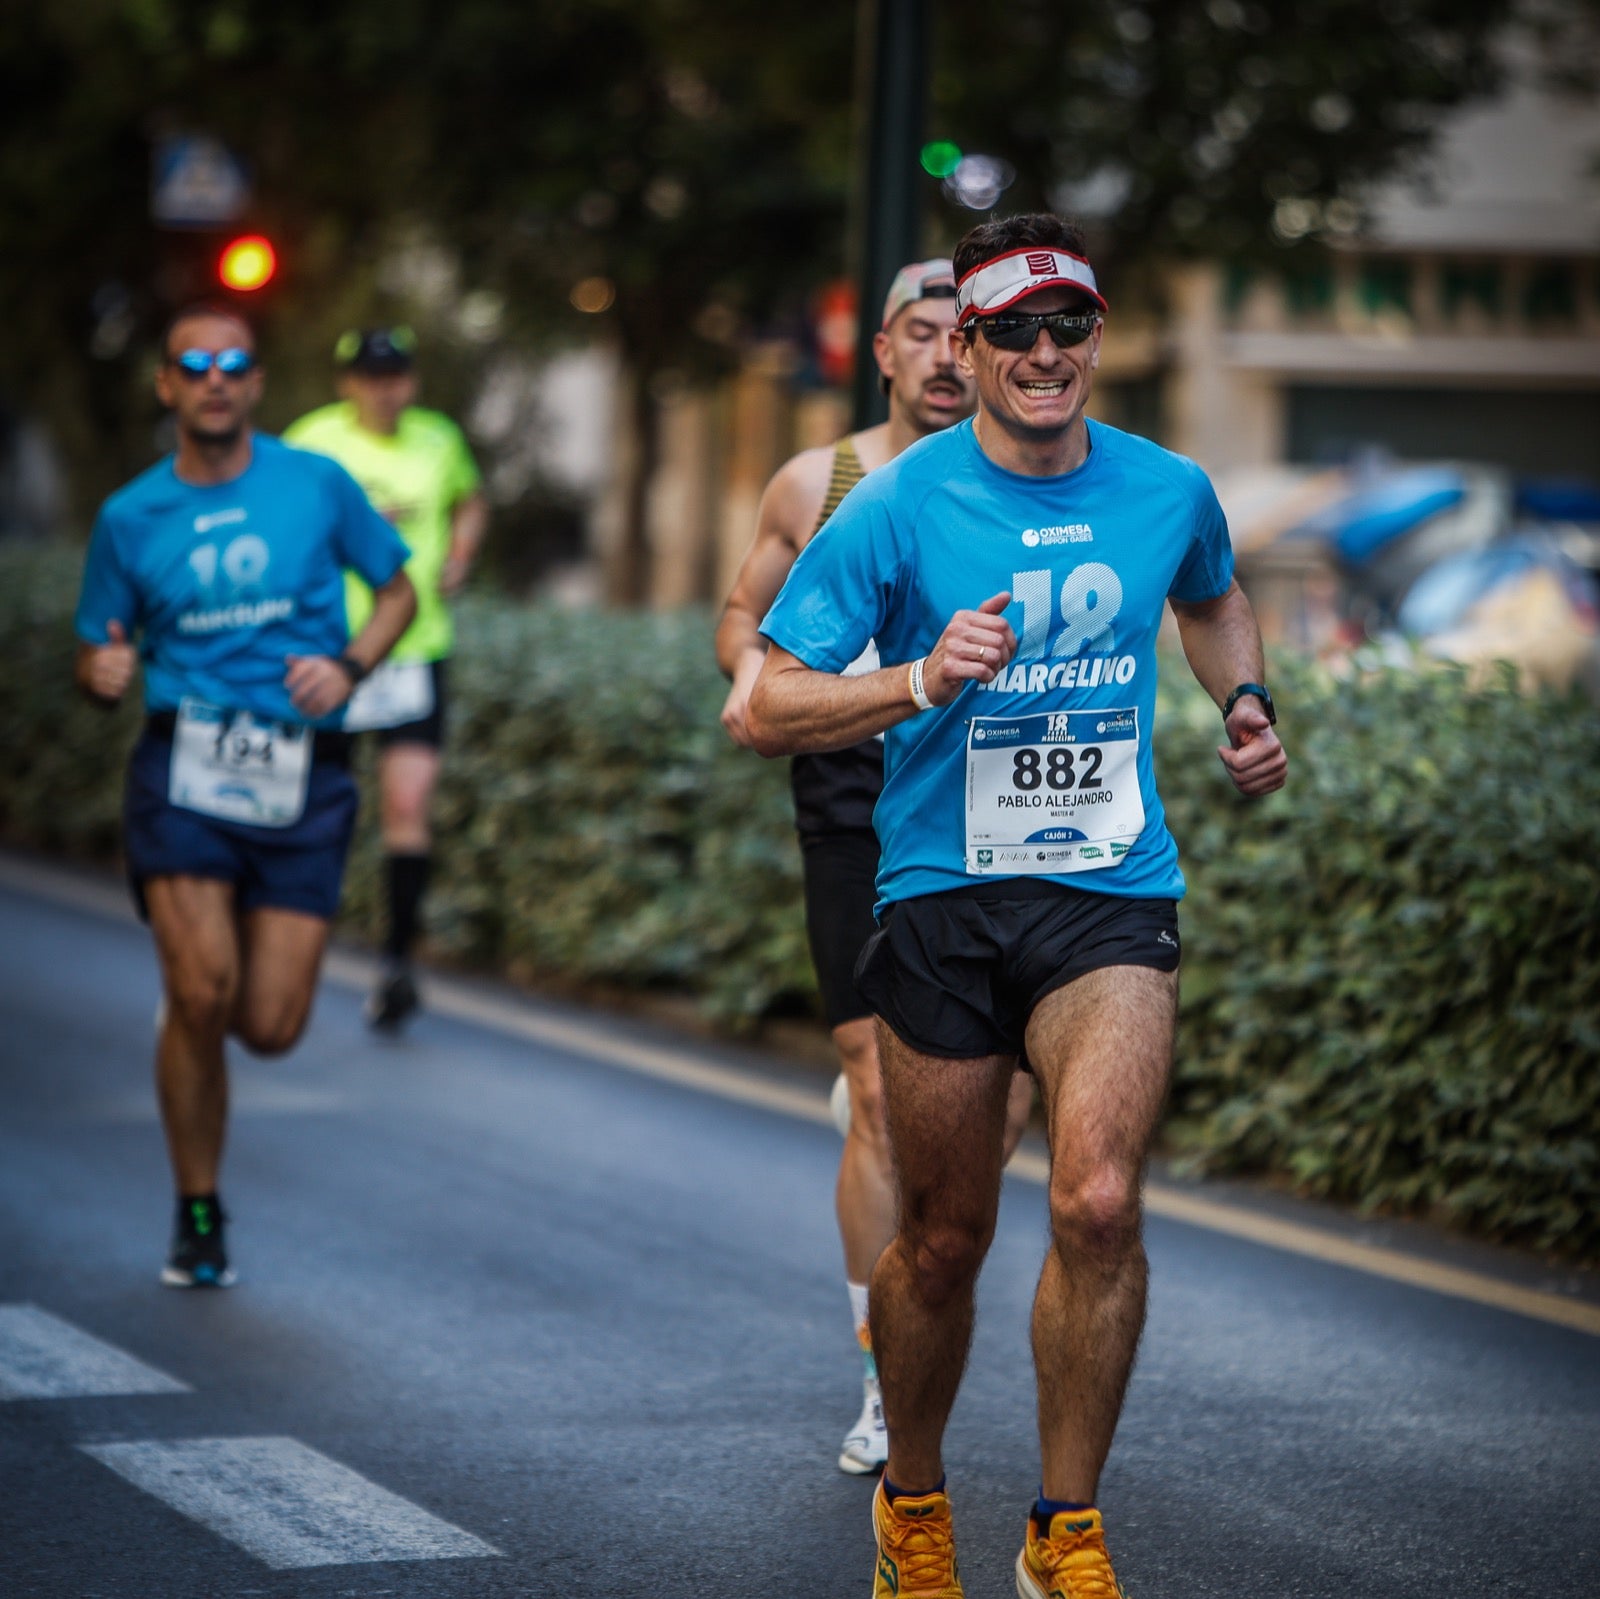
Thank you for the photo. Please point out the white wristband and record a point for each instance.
(919, 696)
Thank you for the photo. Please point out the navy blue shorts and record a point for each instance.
(298, 868)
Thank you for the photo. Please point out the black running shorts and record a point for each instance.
(841, 871)
(427, 729)
(959, 974)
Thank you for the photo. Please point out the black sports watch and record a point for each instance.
(1260, 692)
(355, 671)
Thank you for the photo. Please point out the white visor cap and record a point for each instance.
(997, 285)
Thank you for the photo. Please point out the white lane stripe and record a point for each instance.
(43, 1357)
(351, 970)
(285, 1503)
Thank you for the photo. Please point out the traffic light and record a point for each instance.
(247, 263)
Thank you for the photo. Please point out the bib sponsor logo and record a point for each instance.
(1067, 533)
(1119, 850)
(986, 857)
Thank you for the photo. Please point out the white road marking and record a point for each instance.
(43, 1357)
(285, 1503)
(247, 1098)
(350, 970)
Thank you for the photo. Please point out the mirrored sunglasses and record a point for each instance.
(231, 363)
(1019, 330)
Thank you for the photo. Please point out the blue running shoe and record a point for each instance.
(198, 1258)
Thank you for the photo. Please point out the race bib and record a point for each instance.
(233, 766)
(1053, 793)
(396, 693)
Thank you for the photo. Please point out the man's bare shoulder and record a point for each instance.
(794, 496)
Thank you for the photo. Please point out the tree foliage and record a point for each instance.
(694, 154)
(1191, 125)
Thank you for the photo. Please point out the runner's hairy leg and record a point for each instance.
(1102, 1050)
(946, 1122)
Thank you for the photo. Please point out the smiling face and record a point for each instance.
(926, 386)
(1038, 394)
(213, 408)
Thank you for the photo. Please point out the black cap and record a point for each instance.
(376, 351)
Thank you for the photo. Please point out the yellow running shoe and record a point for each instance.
(1068, 1560)
(916, 1548)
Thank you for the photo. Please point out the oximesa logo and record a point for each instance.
(1068, 533)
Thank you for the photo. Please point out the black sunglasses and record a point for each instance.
(1020, 330)
(233, 362)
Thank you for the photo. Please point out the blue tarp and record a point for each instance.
(1559, 499)
(1443, 595)
(1362, 523)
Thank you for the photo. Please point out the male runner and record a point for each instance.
(834, 793)
(1014, 569)
(419, 473)
(226, 561)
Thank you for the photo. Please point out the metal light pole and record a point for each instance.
(889, 219)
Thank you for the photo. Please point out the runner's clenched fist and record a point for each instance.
(974, 646)
(109, 667)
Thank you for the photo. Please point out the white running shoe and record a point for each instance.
(866, 1446)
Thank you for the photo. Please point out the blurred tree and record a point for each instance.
(668, 174)
(660, 153)
(1230, 127)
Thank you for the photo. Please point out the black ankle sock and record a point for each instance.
(1044, 1508)
(891, 1493)
(408, 882)
(190, 1208)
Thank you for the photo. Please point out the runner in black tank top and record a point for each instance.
(835, 794)
(839, 789)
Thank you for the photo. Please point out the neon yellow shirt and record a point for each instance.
(416, 479)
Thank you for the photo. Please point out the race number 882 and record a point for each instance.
(1059, 771)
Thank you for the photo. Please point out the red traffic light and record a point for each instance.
(247, 263)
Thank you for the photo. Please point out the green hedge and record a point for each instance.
(1391, 972)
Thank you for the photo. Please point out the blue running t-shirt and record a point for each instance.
(1047, 772)
(223, 582)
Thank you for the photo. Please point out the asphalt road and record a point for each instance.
(546, 1325)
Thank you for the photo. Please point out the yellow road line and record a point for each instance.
(1174, 1204)
(446, 997)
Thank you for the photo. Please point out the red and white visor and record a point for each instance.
(997, 285)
